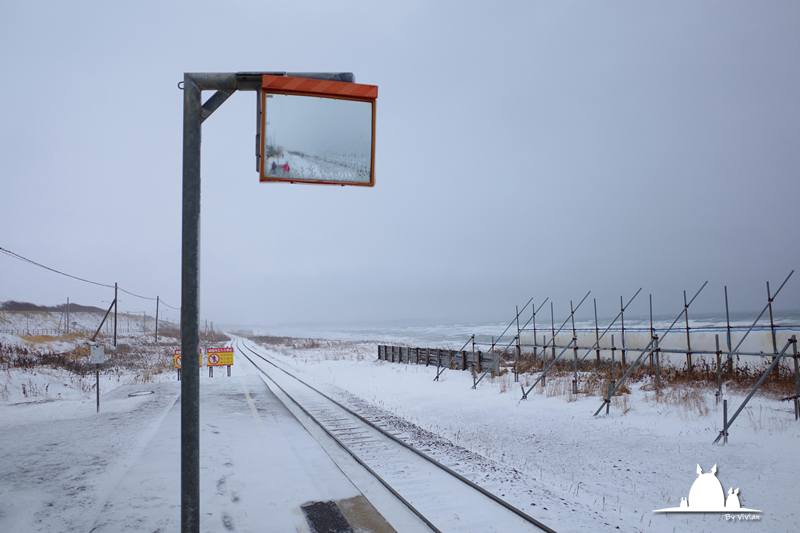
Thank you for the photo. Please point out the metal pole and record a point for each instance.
(157, 302)
(575, 373)
(622, 333)
(97, 374)
(534, 331)
(797, 383)
(772, 329)
(613, 350)
(190, 285)
(104, 319)
(688, 339)
(67, 315)
(116, 305)
(771, 322)
(725, 421)
(658, 364)
(596, 331)
(473, 350)
(728, 320)
(544, 359)
(719, 370)
(652, 331)
(553, 326)
(519, 350)
(447, 365)
(575, 350)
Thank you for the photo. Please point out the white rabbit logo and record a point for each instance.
(708, 496)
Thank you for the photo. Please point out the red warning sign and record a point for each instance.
(178, 357)
(220, 356)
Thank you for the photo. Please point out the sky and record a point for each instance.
(320, 125)
(523, 150)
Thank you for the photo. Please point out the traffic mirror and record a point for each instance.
(317, 131)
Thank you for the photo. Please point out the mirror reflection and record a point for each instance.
(307, 138)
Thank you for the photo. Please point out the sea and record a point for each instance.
(458, 335)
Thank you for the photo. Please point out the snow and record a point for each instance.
(586, 471)
(68, 468)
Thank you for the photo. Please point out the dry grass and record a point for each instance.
(689, 400)
(311, 350)
(34, 340)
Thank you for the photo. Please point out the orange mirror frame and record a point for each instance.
(316, 131)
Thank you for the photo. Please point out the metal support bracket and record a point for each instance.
(216, 100)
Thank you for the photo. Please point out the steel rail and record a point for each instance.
(343, 446)
(426, 457)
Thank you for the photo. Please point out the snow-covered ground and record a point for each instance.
(40, 337)
(546, 454)
(563, 465)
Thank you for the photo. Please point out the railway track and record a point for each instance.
(442, 498)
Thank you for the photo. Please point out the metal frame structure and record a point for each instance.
(194, 114)
(652, 345)
(653, 348)
(574, 342)
(515, 339)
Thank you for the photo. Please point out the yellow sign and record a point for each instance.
(178, 357)
(219, 356)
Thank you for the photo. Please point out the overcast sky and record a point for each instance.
(524, 149)
(320, 125)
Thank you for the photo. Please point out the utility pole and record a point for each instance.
(157, 301)
(67, 315)
(116, 305)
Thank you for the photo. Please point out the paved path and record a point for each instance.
(119, 470)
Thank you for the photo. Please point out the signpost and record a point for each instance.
(96, 354)
(219, 357)
(327, 164)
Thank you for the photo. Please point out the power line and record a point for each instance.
(25, 259)
(128, 292)
(17, 256)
